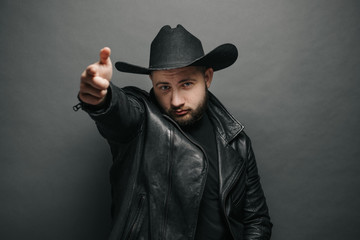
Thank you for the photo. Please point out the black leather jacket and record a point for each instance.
(158, 173)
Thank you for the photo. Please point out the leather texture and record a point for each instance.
(158, 173)
(176, 48)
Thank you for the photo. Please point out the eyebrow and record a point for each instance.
(161, 83)
(181, 81)
(187, 79)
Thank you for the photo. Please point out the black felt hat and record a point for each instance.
(176, 48)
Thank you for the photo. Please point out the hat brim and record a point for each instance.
(221, 57)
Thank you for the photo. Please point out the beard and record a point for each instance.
(193, 115)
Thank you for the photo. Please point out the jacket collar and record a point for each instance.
(225, 123)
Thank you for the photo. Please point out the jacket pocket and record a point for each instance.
(238, 191)
(135, 219)
(237, 199)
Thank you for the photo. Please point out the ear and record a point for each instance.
(208, 76)
(151, 79)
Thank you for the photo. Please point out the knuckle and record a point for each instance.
(103, 93)
(82, 85)
(90, 67)
(106, 84)
(101, 83)
(83, 74)
(83, 97)
(90, 70)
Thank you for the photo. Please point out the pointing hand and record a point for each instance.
(95, 79)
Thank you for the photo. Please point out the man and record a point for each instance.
(183, 168)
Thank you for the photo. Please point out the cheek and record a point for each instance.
(198, 96)
(162, 100)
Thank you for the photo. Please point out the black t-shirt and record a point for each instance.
(211, 221)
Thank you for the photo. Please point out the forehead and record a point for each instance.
(175, 74)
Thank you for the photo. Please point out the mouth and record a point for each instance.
(180, 112)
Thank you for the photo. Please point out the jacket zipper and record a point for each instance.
(135, 222)
(77, 107)
(206, 165)
(169, 188)
(225, 195)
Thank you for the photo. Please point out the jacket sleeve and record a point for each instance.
(121, 118)
(256, 220)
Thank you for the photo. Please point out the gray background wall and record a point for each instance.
(295, 87)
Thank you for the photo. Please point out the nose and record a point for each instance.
(177, 100)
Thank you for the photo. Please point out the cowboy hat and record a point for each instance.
(176, 47)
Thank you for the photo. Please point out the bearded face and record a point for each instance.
(182, 93)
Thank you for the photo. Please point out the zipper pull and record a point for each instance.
(77, 107)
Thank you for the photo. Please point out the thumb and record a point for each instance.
(105, 55)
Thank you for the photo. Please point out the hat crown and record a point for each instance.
(174, 47)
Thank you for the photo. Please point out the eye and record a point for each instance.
(187, 84)
(164, 88)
